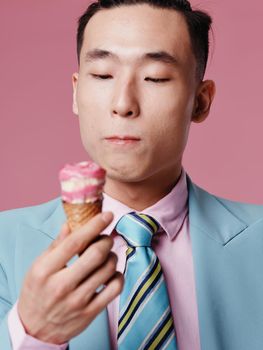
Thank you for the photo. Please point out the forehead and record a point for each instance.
(131, 31)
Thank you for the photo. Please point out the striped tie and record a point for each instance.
(145, 318)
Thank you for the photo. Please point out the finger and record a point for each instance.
(100, 275)
(76, 242)
(75, 304)
(95, 256)
(100, 278)
(64, 232)
(100, 300)
(80, 297)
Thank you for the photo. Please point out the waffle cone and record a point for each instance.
(79, 214)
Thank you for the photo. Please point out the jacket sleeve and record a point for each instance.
(5, 307)
(8, 340)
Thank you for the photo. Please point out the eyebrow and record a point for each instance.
(157, 56)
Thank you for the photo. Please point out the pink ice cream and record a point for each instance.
(82, 182)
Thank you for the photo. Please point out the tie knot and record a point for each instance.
(137, 229)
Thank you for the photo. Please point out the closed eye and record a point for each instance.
(97, 76)
(157, 80)
(154, 80)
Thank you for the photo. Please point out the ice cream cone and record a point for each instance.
(81, 186)
(80, 214)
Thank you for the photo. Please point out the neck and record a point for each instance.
(143, 194)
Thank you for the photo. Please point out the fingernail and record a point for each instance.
(107, 216)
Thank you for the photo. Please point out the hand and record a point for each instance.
(58, 302)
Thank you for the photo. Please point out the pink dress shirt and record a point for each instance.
(173, 248)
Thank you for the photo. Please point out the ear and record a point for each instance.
(203, 101)
(75, 78)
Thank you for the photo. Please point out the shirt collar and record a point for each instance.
(170, 211)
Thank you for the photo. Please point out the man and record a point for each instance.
(139, 87)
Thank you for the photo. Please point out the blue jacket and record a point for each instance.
(227, 246)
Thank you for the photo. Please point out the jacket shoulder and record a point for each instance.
(30, 215)
(247, 212)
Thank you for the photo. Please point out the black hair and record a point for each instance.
(198, 23)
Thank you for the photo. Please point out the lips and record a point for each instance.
(122, 141)
(125, 138)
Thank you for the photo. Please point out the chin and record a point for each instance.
(123, 168)
(125, 174)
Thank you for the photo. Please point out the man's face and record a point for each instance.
(127, 100)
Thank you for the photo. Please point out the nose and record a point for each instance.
(125, 101)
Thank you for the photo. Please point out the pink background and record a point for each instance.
(39, 132)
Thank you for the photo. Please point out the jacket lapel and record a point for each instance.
(212, 228)
(31, 242)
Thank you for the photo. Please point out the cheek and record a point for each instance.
(89, 93)
(87, 108)
(84, 96)
(88, 127)
(180, 99)
(86, 133)
(170, 124)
